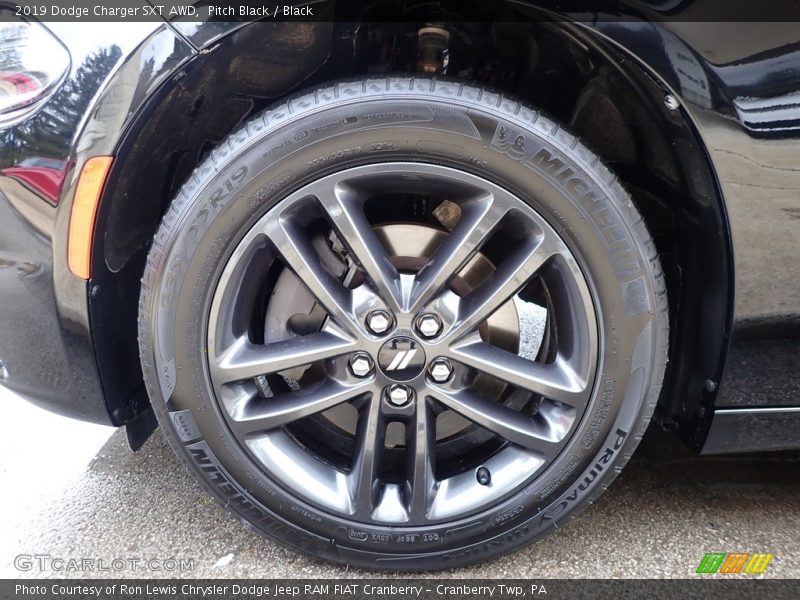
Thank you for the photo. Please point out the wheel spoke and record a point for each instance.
(510, 276)
(556, 381)
(292, 243)
(264, 414)
(505, 422)
(420, 456)
(288, 401)
(346, 211)
(363, 478)
(245, 360)
(478, 219)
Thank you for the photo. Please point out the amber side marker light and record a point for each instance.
(84, 210)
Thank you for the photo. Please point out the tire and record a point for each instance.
(451, 130)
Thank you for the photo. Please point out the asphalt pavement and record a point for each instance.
(72, 490)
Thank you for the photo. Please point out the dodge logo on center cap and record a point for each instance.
(401, 358)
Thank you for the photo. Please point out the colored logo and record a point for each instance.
(734, 562)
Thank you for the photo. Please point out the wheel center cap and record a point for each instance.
(401, 359)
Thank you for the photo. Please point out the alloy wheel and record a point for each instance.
(392, 381)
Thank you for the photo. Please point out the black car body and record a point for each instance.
(714, 106)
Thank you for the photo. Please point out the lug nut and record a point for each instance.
(361, 364)
(398, 395)
(379, 321)
(484, 476)
(429, 325)
(440, 370)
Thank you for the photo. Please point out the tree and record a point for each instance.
(50, 132)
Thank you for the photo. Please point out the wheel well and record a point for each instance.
(609, 101)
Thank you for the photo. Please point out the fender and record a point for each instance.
(85, 117)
